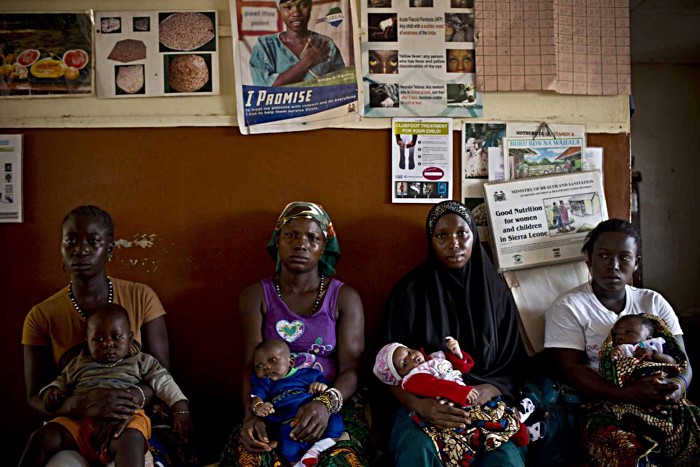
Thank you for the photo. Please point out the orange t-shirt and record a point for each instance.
(54, 322)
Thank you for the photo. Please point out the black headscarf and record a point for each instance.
(471, 304)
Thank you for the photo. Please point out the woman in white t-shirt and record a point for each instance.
(579, 321)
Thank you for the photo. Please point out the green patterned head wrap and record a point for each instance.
(315, 212)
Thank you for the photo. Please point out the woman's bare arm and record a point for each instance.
(350, 336)
(39, 371)
(154, 335)
(251, 307)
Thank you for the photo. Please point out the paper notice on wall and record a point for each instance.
(421, 160)
(567, 46)
(543, 220)
(152, 53)
(11, 203)
(418, 58)
(295, 64)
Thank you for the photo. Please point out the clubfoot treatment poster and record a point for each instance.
(295, 64)
(421, 160)
(418, 58)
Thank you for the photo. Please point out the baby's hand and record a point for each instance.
(643, 352)
(53, 398)
(264, 409)
(616, 353)
(182, 425)
(472, 396)
(317, 388)
(453, 345)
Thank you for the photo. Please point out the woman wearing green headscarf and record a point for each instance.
(322, 321)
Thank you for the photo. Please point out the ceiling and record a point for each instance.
(665, 31)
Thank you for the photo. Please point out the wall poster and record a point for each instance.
(11, 209)
(418, 58)
(542, 220)
(295, 64)
(46, 54)
(421, 160)
(151, 53)
(482, 146)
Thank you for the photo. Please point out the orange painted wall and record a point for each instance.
(208, 198)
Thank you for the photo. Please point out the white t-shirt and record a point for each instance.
(577, 320)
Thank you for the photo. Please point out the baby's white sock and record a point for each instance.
(311, 457)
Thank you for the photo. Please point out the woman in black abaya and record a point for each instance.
(456, 292)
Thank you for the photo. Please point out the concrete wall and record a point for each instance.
(665, 147)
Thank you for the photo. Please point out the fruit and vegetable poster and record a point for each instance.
(154, 53)
(45, 54)
(418, 58)
(421, 160)
(11, 170)
(543, 220)
(295, 64)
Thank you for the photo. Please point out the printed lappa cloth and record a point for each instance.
(493, 423)
(623, 434)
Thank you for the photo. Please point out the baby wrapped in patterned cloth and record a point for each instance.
(440, 375)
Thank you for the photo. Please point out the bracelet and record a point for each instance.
(143, 401)
(181, 412)
(336, 398)
(325, 399)
(679, 379)
(255, 406)
(332, 399)
(684, 380)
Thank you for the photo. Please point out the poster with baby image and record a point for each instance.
(418, 58)
(156, 53)
(543, 220)
(421, 155)
(482, 145)
(295, 64)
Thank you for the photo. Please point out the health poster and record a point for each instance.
(11, 166)
(543, 220)
(295, 64)
(151, 53)
(482, 145)
(535, 157)
(421, 160)
(418, 58)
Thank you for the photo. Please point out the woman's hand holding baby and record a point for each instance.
(53, 398)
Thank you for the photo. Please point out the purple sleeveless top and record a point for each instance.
(310, 337)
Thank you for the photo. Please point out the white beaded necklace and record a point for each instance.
(71, 295)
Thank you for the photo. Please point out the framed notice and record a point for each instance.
(543, 220)
(11, 170)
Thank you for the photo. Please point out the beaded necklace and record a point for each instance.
(71, 295)
(317, 302)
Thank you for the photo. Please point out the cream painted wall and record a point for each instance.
(665, 142)
(600, 114)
